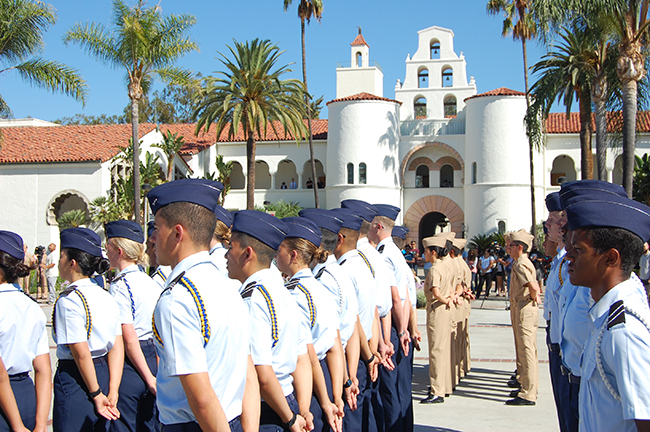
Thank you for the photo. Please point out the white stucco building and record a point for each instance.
(443, 153)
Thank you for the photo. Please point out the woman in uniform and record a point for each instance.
(136, 295)
(87, 331)
(23, 345)
(319, 316)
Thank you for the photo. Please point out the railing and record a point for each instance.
(350, 65)
(432, 127)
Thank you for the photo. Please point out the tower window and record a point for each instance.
(423, 78)
(435, 50)
(420, 108)
(362, 173)
(474, 173)
(350, 173)
(450, 106)
(422, 176)
(446, 176)
(448, 77)
(359, 58)
(501, 226)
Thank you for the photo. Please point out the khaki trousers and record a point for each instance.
(439, 336)
(525, 319)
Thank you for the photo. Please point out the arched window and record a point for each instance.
(420, 108)
(501, 226)
(423, 78)
(286, 174)
(422, 176)
(446, 176)
(262, 175)
(237, 179)
(350, 173)
(359, 58)
(448, 77)
(320, 174)
(362, 173)
(435, 50)
(617, 173)
(563, 166)
(474, 173)
(450, 106)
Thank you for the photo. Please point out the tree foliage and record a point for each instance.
(223, 169)
(171, 145)
(281, 209)
(72, 219)
(642, 179)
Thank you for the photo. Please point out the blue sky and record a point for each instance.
(389, 27)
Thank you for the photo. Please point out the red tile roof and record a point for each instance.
(498, 92)
(363, 96)
(557, 123)
(359, 40)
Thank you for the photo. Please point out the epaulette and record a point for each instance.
(320, 273)
(117, 278)
(67, 291)
(381, 249)
(292, 284)
(343, 262)
(248, 290)
(616, 314)
(175, 281)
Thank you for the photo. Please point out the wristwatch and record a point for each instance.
(348, 383)
(367, 362)
(401, 334)
(96, 393)
(290, 423)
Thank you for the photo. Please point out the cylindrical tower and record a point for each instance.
(362, 150)
(497, 179)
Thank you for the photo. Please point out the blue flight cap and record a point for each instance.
(150, 228)
(12, 244)
(607, 210)
(198, 191)
(400, 231)
(387, 210)
(124, 228)
(324, 219)
(303, 228)
(350, 219)
(553, 202)
(362, 208)
(223, 215)
(84, 239)
(589, 187)
(264, 227)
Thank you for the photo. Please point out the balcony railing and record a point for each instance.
(432, 127)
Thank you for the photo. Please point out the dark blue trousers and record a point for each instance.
(389, 393)
(570, 406)
(73, 409)
(320, 421)
(404, 382)
(557, 380)
(235, 426)
(270, 421)
(354, 420)
(137, 405)
(25, 395)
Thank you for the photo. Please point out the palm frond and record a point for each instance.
(53, 76)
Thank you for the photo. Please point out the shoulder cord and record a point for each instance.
(128, 288)
(599, 359)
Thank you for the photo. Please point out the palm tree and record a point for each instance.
(252, 96)
(567, 73)
(146, 45)
(172, 143)
(306, 10)
(518, 21)
(22, 24)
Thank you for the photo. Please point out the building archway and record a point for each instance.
(432, 224)
(65, 201)
(563, 166)
(433, 204)
(262, 175)
(455, 154)
(237, 178)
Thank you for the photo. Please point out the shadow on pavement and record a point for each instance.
(420, 428)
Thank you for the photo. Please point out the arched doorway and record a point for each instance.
(64, 202)
(431, 224)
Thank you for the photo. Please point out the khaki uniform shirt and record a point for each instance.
(523, 272)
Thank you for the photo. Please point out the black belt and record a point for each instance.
(19, 376)
(573, 379)
(194, 426)
(146, 342)
(96, 360)
(553, 347)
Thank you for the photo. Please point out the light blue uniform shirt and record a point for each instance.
(22, 329)
(549, 280)
(85, 312)
(625, 353)
(318, 310)
(160, 275)
(364, 286)
(274, 325)
(576, 324)
(199, 327)
(383, 296)
(335, 279)
(218, 257)
(136, 295)
(397, 267)
(554, 282)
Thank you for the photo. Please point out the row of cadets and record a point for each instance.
(297, 251)
(158, 273)
(524, 315)
(438, 290)
(554, 225)
(198, 324)
(88, 334)
(464, 295)
(362, 357)
(395, 385)
(136, 295)
(608, 232)
(341, 290)
(24, 404)
(277, 345)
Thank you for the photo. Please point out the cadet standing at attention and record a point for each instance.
(157, 272)
(23, 346)
(136, 296)
(524, 314)
(198, 324)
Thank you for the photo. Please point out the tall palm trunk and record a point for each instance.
(586, 131)
(250, 165)
(136, 157)
(308, 105)
(629, 132)
(533, 227)
(598, 92)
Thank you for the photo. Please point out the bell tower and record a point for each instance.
(360, 76)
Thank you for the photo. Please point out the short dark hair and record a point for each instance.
(265, 253)
(628, 245)
(522, 244)
(328, 241)
(199, 222)
(399, 242)
(88, 264)
(440, 251)
(365, 227)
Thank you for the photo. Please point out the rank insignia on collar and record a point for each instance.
(616, 314)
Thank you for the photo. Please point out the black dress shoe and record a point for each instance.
(519, 401)
(514, 375)
(514, 393)
(513, 383)
(432, 399)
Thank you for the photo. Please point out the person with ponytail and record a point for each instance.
(438, 290)
(136, 295)
(24, 404)
(319, 320)
(87, 331)
(220, 243)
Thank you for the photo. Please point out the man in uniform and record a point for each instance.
(524, 313)
(607, 242)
